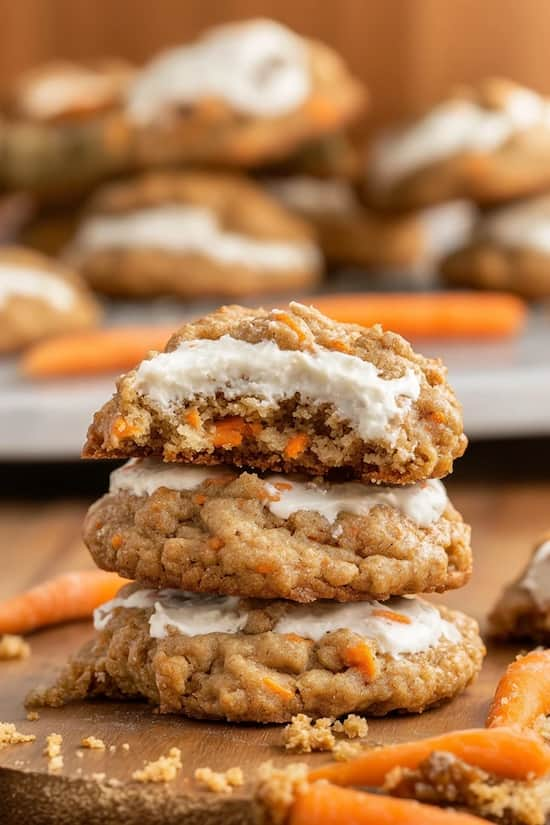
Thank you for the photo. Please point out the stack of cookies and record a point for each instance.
(281, 505)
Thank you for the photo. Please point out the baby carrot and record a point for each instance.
(430, 315)
(93, 352)
(325, 804)
(66, 597)
(523, 693)
(508, 753)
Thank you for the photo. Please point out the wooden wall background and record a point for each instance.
(407, 51)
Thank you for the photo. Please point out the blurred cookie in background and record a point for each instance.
(40, 297)
(332, 156)
(193, 234)
(349, 233)
(510, 250)
(242, 94)
(489, 143)
(63, 128)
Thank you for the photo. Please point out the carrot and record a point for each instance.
(93, 352)
(277, 689)
(362, 657)
(523, 693)
(324, 804)
(502, 751)
(430, 315)
(296, 445)
(230, 431)
(62, 599)
(391, 615)
(289, 321)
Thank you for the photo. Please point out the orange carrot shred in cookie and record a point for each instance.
(199, 498)
(255, 428)
(277, 688)
(122, 429)
(341, 346)
(229, 432)
(362, 657)
(383, 613)
(508, 753)
(283, 485)
(215, 543)
(284, 318)
(523, 693)
(66, 597)
(264, 567)
(325, 804)
(193, 418)
(296, 445)
(116, 541)
(293, 637)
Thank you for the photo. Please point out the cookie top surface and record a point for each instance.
(479, 119)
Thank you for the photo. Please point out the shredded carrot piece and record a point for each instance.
(255, 428)
(122, 429)
(293, 637)
(325, 804)
(283, 485)
(523, 693)
(341, 346)
(505, 752)
(264, 567)
(66, 597)
(383, 613)
(296, 445)
(215, 543)
(286, 319)
(277, 688)
(116, 541)
(193, 418)
(362, 657)
(218, 481)
(199, 499)
(323, 111)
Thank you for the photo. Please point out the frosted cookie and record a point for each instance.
(523, 609)
(241, 94)
(192, 234)
(39, 297)
(224, 658)
(350, 233)
(210, 530)
(286, 390)
(489, 143)
(64, 129)
(509, 250)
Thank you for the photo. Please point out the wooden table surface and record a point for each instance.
(504, 495)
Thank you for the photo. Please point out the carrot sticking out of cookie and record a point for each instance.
(325, 804)
(64, 598)
(466, 314)
(523, 693)
(94, 352)
(504, 752)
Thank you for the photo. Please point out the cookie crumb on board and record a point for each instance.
(277, 787)
(220, 781)
(125, 746)
(13, 647)
(304, 736)
(343, 750)
(33, 715)
(163, 769)
(354, 727)
(9, 735)
(93, 743)
(52, 750)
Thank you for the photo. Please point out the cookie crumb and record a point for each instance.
(112, 748)
(304, 737)
(354, 727)
(93, 743)
(98, 777)
(125, 746)
(52, 750)
(13, 647)
(33, 715)
(9, 735)
(220, 782)
(163, 769)
(80, 754)
(344, 750)
(277, 787)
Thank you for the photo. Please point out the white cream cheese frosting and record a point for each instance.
(451, 128)
(260, 68)
(314, 196)
(536, 579)
(421, 626)
(23, 281)
(424, 503)
(204, 367)
(522, 225)
(189, 229)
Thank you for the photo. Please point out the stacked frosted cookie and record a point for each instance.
(279, 511)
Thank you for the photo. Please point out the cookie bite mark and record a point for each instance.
(221, 657)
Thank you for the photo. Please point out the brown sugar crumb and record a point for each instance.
(13, 647)
(353, 726)
(343, 750)
(442, 779)
(9, 735)
(33, 715)
(163, 769)
(219, 782)
(52, 750)
(93, 743)
(276, 788)
(304, 737)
